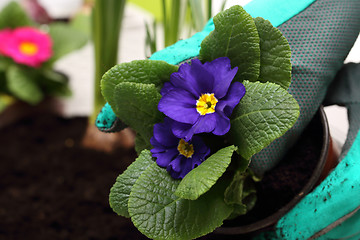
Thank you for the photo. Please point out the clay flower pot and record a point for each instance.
(281, 185)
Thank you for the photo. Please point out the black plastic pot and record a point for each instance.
(237, 227)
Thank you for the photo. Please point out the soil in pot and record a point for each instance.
(53, 188)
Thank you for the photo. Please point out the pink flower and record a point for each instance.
(28, 46)
(5, 36)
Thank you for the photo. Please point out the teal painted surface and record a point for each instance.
(336, 196)
(105, 118)
(350, 229)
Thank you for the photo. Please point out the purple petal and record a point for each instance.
(200, 147)
(164, 158)
(181, 130)
(186, 168)
(205, 124)
(196, 161)
(220, 68)
(166, 88)
(164, 135)
(176, 163)
(200, 152)
(158, 147)
(173, 174)
(222, 124)
(227, 104)
(202, 80)
(194, 78)
(179, 105)
(183, 79)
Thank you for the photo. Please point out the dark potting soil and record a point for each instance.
(53, 188)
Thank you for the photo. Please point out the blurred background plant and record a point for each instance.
(179, 19)
(30, 81)
(107, 16)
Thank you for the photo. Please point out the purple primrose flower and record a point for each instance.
(175, 154)
(200, 97)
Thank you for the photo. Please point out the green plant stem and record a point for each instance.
(174, 22)
(151, 39)
(165, 20)
(209, 7)
(173, 18)
(197, 14)
(106, 24)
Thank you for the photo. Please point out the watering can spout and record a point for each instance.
(107, 121)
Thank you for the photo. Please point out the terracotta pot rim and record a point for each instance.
(271, 220)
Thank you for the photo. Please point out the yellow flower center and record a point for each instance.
(185, 148)
(206, 103)
(28, 48)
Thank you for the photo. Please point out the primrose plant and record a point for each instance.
(199, 124)
(27, 55)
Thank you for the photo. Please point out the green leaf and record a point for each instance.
(120, 192)
(22, 83)
(275, 54)
(159, 214)
(13, 16)
(242, 163)
(3, 87)
(234, 194)
(265, 113)
(5, 101)
(250, 199)
(236, 37)
(82, 22)
(65, 40)
(106, 20)
(241, 192)
(5, 62)
(55, 84)
(136, 105)
(141, 144)
(140, 71)
(201, 179)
